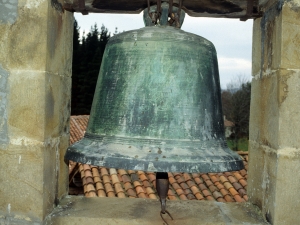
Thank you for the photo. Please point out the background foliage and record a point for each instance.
(87, 56)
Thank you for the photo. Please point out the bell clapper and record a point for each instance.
(162, 187)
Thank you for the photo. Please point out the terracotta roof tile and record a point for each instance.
(128, 186)
(212, 188)
(89, 180)
(190, 183)
(243, 172)
(180, 180)
(136, 183)
(195, 175)
(217, 195)
(224, 191)
(103, 171)
(106, 179)
(199, 196)
(204, 177)
(139, 190)
(233, 192)
(143, 177)
(208, 183)
(238, 198)
(150, 190)
(195, 190)
(122, 172)
(214, 178)
(219, 185)
(183, 197)
(97, 180)
(202, 187)
(101, 193)
(237, 186)
(142, 195)
(99, 186)
(118, 188)
(176, 186)
(221, 200)
(184, 186)
(153, 196)
(173, 198)
(227, 185)
(111, 182)
(187, 191)
(243, 182)
(228, 198)
(115, 179)
(172, 180)
(108, 188)
(125, 178)
(198, 180)
(179, 191)
(151, 177)
(187, 177)
(146, 183)
(111, 194)
(131, 193)
(242, 192)
(190, 196)
(206, 193)
(210, 198)
(95, 172)
(121, 195)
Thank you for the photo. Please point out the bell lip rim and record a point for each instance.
(232, 162)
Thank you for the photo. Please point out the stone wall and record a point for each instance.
(274, 155)
(35, 81)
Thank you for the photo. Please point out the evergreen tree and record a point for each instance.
(75, 70)
(87, 57)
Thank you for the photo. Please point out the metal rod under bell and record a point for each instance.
(162, 187)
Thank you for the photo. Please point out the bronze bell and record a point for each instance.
(157, 104)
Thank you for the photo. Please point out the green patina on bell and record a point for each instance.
(157, 105)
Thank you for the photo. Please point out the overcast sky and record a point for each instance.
(231, 37)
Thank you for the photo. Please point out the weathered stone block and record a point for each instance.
(256, 48)
(75, 210)
(26, 40)
(289, 111)
(290, 36)
(22, 190)
(262, 178)
(264, 114)
(63, 174)
(60, 43)
(57, 105)
(255, 176)
(286, 203)
(26, 113)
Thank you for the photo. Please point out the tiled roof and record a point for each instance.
(96, 181)
(228, 123)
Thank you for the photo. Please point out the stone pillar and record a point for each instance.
(35, 81)
(274, 155)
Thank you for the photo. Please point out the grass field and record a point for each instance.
(241, 146)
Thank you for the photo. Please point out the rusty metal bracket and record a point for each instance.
(82, 9)
(249, 11)
(252, 10)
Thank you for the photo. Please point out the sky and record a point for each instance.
(231, 37)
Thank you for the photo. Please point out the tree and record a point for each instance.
(76, 73)
(87, 57)
(236, 107)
